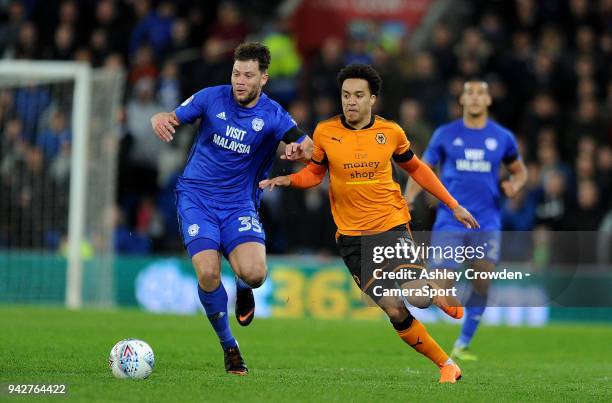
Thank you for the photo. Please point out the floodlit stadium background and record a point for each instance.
(547, 63)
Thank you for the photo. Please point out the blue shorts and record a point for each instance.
(207, 224)
(466, 244)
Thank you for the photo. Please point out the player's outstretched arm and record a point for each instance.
(273, 182)
(427, 179)
(163, 124)
(309, 176)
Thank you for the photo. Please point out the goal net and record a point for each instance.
(58, 162)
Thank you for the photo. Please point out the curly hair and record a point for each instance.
(363, 71)
(254, 51)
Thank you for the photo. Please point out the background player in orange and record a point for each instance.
(367, 205)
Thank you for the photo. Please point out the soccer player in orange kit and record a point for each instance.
(358, 149)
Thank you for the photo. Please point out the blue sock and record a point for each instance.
(215, 304)
(241, 285)
(475, 307)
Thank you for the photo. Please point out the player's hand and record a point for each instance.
(294, 152)
(510, 189)
(163, 125)
(278, 181)
(465, 218)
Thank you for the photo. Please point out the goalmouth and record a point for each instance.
(91, 98)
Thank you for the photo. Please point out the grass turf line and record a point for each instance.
(296, 360)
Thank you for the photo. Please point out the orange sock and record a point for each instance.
(416, 336)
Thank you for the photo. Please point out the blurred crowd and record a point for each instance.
(547, 64)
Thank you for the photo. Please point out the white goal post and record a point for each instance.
(14, 73)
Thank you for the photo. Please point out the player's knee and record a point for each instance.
(420, 301)
(419, 293)
(209, 275)
(209, 279)
(254, 274)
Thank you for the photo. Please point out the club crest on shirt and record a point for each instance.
(193, 229)
(257, 124)
(381, 138)
(491, 144)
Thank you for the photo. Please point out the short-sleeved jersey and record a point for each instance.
(235, 146)
(363, 195)
(470, 160)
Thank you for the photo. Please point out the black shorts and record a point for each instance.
(357, 253)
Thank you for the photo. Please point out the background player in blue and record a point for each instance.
(470, 152)
(218, 193)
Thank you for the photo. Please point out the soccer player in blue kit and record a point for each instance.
(218, 193)
(470, 152)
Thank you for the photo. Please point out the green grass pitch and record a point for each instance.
(296, 360)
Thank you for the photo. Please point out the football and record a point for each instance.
(131, 358)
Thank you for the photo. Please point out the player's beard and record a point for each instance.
(249, 97)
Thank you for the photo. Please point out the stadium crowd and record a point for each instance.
(547, 64)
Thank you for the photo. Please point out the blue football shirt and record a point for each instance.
(470, 160)
(235, 146)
